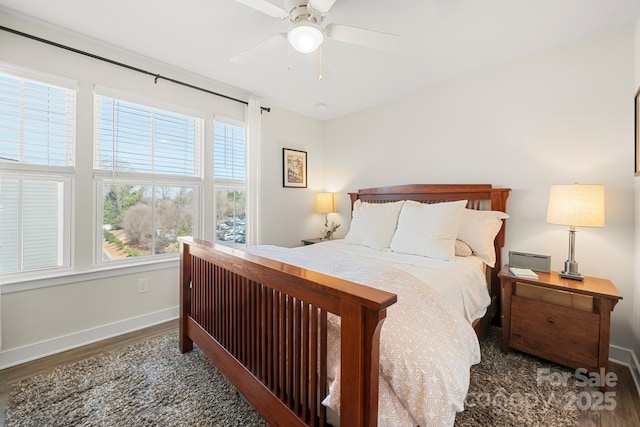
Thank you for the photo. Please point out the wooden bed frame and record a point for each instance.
(263, 323)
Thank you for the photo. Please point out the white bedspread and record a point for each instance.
(462, 282)
(427, 344)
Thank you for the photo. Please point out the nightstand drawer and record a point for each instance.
(565, 335)
(551, 296)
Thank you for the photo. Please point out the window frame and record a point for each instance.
(228, 183)
(64, 175)
(102, 176)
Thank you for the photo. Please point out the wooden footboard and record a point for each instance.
(264, 325)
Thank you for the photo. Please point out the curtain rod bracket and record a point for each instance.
(156, 79)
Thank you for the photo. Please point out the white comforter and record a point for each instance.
(427, 345)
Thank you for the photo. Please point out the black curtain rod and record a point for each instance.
(156, 76)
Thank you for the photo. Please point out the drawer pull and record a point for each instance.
(551, 320)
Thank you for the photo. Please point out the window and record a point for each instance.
(147, 166)
(37, 151)
(230, 183)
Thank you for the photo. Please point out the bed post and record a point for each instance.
(360, 336)
(186, 344)
(498, 203)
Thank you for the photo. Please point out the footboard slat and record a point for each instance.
(304, 368)
(289, 353)
(297, 328)
(313, 364)
(322, 377)
(266, 329)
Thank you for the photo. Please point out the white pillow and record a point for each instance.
(478, 229)
(428, 230)
(373, 224)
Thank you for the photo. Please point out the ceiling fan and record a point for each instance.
(307, 36)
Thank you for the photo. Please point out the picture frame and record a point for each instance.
(637, 132)
(294, 168)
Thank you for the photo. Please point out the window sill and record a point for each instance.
(67, 277)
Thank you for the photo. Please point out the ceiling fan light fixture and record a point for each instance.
(305, 37)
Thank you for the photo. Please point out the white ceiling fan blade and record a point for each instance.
(319, 64)
(366, 38)
(270, 43)
(320, 7)
(265, 7)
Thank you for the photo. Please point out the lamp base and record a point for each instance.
(571, 268)
(572, 276)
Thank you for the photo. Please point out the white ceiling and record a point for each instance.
(443, 40)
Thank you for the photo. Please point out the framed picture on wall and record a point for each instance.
(294, 168)
(637, 133)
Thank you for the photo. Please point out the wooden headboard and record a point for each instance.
(479, 197)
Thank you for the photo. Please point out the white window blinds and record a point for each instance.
(229, 152)
(37, 150)
(145, 140)
(37, 122)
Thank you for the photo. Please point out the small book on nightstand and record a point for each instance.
(523, 272)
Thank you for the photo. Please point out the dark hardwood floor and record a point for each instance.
(624, 395)
(625, 414)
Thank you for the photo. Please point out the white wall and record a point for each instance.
(92, 306)
(287, 214)
(44, 314)
(557, 119)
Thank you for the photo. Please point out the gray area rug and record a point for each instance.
(518, 390)
(146, 384)
(152, 384)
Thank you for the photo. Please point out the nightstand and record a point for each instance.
(312, 241)
(562, 320)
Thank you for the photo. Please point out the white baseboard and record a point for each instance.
(16, 356)
(628, 358)
(635, 371)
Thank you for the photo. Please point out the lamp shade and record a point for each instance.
(576, 205)
(305, 37)
(325, 203)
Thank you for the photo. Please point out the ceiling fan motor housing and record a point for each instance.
(298, 11)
